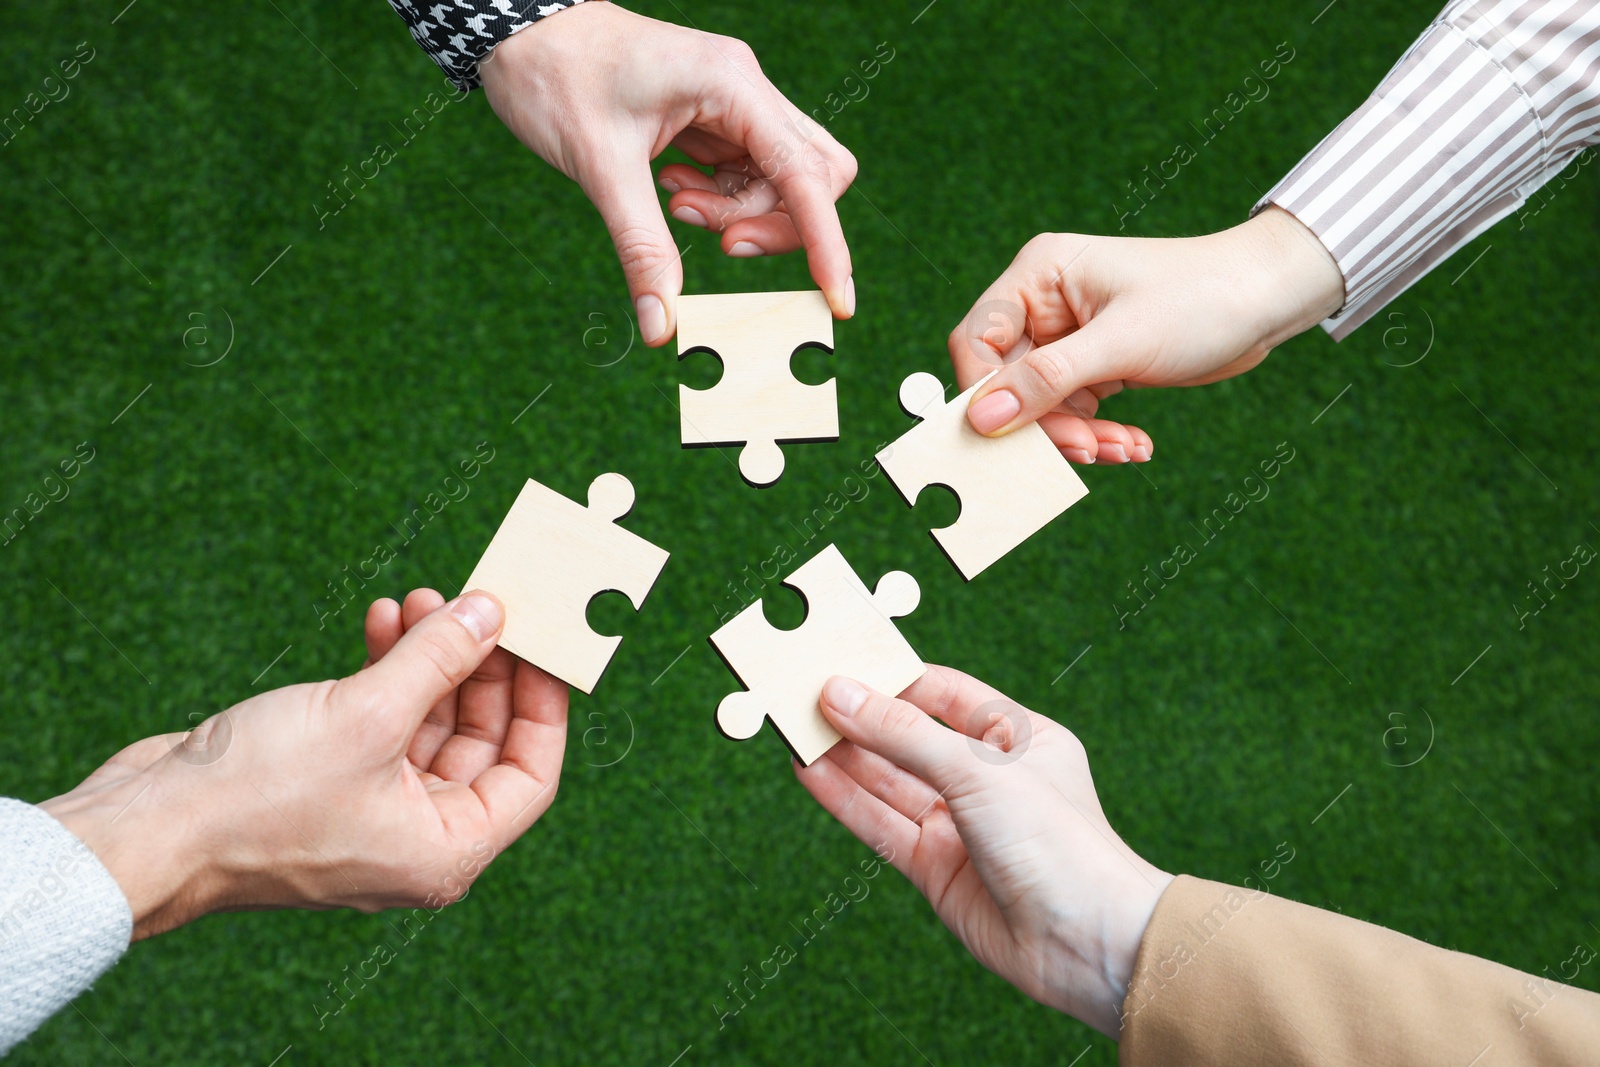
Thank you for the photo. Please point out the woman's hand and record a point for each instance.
(393, 787)
(996, 822)
(598, 92)
(1075, 319)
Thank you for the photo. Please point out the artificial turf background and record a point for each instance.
(1315, 645)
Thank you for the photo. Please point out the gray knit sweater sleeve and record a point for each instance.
(63, 919)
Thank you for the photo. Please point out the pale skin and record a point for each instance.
(599, 92)
(993, 817)
(393, 787)
(1076, 319)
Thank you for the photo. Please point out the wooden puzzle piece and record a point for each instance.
(758, 402)
(1010, 487)
(847, 631)
(549, 559)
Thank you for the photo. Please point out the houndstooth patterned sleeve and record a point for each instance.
(459, 33)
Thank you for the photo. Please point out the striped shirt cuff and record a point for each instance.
(457, 34)
(1489, 104)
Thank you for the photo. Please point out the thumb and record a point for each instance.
(625, 195)
(1020, 392)
(899, 731)
(428, 663)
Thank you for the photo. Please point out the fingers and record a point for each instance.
(811, 171)
(1024, 390)
(1101, 441)
(1073, 435)
(900, 732)
(678, 176)
(750, 225)
(895, 786)
(875, 824)
(626, 198)
(733, 201)
(732, 192)
(419, 604)
(440, 723)
(432, 659)
(969, 706)
(997, 328)
(520, 788)
(383, 628)
(772, 234)
(472, 721)
(755, 218)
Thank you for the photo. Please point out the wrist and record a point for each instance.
(153, 847)
(1296, 281)
(1130, 915)
(541, 46)
(1094, 943)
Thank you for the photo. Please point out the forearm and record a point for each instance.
(1489, 104)
(1235, 976)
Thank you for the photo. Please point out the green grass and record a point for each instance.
(1392, 548)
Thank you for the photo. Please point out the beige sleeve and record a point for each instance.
(1234, 976)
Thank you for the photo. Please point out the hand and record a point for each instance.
(598, 92)
(996, 822)
(1074, 319)
(393, 787)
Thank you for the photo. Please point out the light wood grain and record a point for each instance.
(549, 559)
(1010, 487)
(847, 631)
(758, 401)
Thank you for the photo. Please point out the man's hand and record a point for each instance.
(598, 92)
(995, 820)
(393, 787)
(1075, 319)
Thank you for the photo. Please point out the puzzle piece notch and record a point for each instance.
(847, 630)
(550, 558)
(1009, 487)
(758, 402)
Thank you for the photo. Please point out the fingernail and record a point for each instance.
(1112, 453)
(479, 613)
(689, 215)
(746, 249)
(669, 185)
(844, 696)
(1141, 453)
(994, 411)
(652, 317)
(850, 295)
(1078, 455)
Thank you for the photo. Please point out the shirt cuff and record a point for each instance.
(1479, 113)
(63, 919)
(457, 34)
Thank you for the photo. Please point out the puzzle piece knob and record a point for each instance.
(761, 463)
(897, 594)
(610, 497)
(920, 393)
(739, 716)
